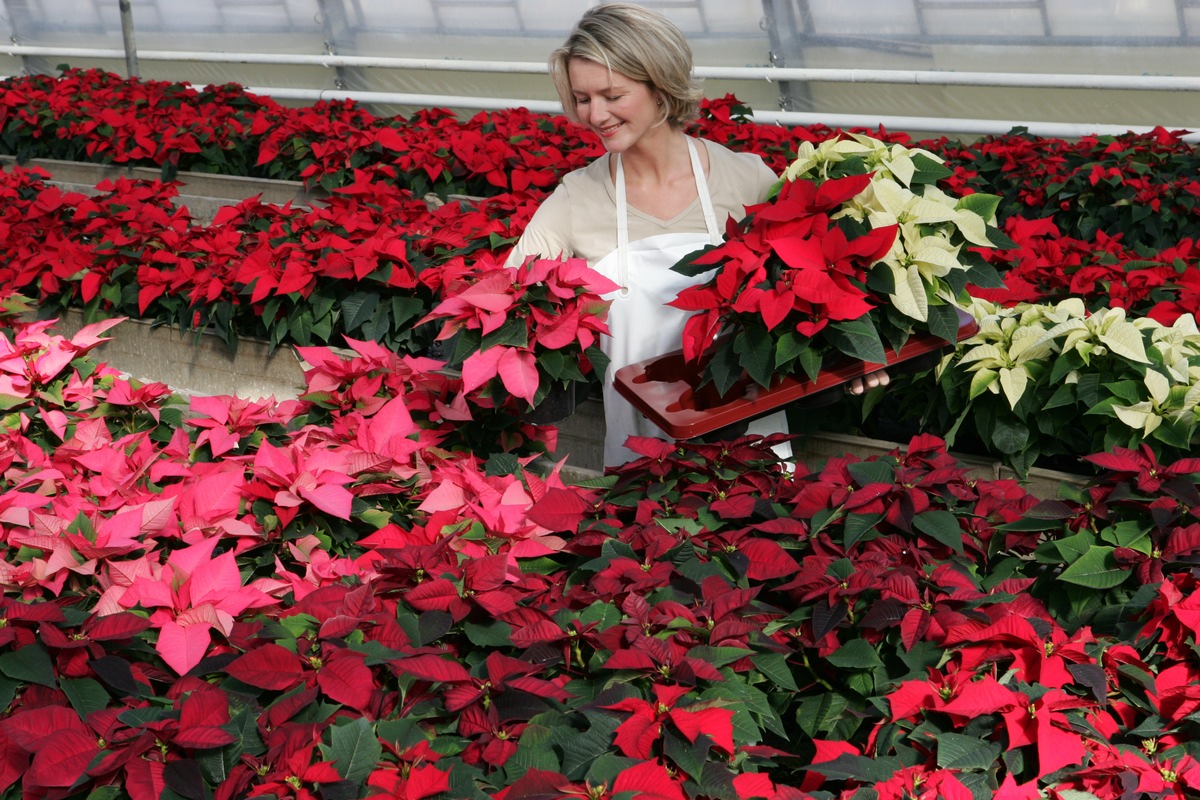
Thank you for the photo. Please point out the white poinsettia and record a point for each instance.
(1148, 414)
(932, 226)
(1177, 345)
(1015, 349)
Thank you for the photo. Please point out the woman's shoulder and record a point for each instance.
(589, 177)
(744, 173)
(719, 153)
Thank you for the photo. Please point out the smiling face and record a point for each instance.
(620, 110)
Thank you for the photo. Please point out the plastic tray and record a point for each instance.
(663, 388)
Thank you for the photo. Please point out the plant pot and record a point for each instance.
(560, 402)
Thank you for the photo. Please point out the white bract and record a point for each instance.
(932, 226)
(1015, 348)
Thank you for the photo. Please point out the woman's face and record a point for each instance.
(619, 109)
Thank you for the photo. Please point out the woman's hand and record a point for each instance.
(860, 385)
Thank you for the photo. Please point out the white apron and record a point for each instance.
(641, 322)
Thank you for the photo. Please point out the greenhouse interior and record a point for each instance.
(375, 426)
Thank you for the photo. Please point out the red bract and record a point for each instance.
(786, 260)
(642, 730)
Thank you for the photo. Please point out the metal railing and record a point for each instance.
(771, 74)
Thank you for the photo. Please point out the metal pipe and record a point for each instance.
(1170, 83)
(131, 54)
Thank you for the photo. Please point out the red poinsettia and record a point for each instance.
(788, 260)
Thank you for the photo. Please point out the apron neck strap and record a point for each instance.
(710, 217)
(706, 205)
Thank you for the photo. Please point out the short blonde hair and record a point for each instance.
(638, 43)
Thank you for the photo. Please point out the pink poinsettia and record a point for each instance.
(191, 594)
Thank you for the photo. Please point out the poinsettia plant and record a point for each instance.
(857, 248)
(1042, 380)
(521, 333)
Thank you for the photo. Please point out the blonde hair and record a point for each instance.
(638, 43)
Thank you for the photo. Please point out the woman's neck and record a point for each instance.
(659, 157)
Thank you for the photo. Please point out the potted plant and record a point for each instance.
(856, 250)
(1046, 380)
(530, 335)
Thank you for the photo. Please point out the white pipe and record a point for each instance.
(980, 127)
(961, 126)
(419, 100)
(1170, 83)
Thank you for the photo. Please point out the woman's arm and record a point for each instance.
(548, 233)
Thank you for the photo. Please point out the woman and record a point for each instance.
(655, 196)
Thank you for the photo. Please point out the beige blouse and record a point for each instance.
(579, 218)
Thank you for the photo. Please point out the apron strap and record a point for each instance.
(710, 217)
(622, 231)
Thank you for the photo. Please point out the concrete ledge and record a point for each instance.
(200, 184)
(192, 366)
(202, 194)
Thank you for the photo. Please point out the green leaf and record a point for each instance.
(86, 695)
(501, 464)
(858, 339)
(868, 472)
(1067, 549)
(724, 369)
(985, 275)
(941, 526)
(856, 654)
(959, 752)
(821, 713)
(859, 768)
(685, 266)
(984, 205)
(513, 333)
(857, 526)
(604, 615)
(789, 347)
(357, 310)
(581, 749)
(1010, 436)
(104, 793)
(930, 171)
(402, 733)
(943, 322)
(688, 756)
(1095, 569)
(774, 668)
(30, 664)
(757, 354)
(354, 750)
(490, 634)
(405, 309)
(535, 750)
(718, 656)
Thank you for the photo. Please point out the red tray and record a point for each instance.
(663, 388)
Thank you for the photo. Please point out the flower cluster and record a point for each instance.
(281, 600)
(857, 246)
(534, 327)
(1037, 378)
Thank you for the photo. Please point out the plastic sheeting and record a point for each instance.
(1053, 37)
